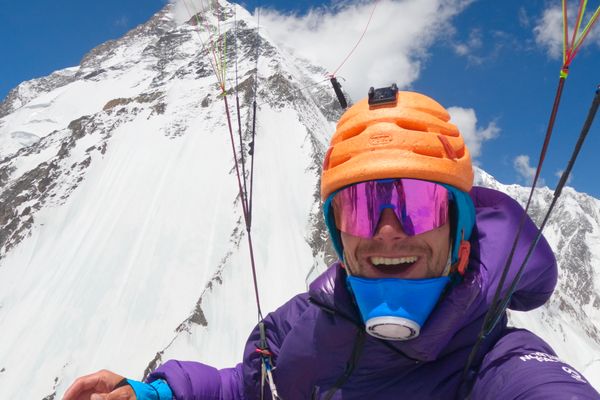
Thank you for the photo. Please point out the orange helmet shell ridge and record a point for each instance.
(412, 138)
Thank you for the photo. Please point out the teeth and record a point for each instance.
(393, 261)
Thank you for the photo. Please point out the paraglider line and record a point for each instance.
(244, 208)
(255, 93)
(358, 42)
(239, 117)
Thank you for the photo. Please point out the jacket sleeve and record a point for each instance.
(194, 380)
(522, 366)
(197, 381)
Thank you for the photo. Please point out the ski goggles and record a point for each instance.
(420, 206)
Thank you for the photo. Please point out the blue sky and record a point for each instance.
(489, 59)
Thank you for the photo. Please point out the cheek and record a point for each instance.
(440, 244)
(350, 244)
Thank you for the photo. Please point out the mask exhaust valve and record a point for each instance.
(392, 328)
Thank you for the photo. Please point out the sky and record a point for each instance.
(495, 68)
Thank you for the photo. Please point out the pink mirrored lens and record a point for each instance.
(420, 206)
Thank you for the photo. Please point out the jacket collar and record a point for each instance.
(459, 307)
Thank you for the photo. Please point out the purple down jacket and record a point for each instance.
(321, 351)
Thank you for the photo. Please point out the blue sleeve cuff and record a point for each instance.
(157, 390)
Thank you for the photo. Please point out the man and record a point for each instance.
(421, 253)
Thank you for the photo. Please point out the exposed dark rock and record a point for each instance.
(279, 91)
(92, 60)
(78, 127)
(85, 163)
(197, 318)
(50, 396)
(152, 365)
(5, 172)
(94, 74)
(53, 394)
(245, 90)
(115, 102)
(32, 185)
(141, 99)
(149, 97)
(159, 108)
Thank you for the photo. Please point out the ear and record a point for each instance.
(463, 256)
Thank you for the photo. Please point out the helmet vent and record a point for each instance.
(353, 131)
(412, 125)
(435, 152)
(335, 161)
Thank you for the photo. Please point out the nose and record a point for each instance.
(389, 228)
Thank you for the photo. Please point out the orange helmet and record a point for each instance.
(407, 138)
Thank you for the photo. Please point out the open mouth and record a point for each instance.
(391, 266)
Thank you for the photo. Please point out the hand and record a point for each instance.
(99, 386)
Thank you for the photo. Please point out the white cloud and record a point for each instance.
(526, 172)
(559, 173)
(523, 17)
(461, 49)
(391, 51)
(549, 30)
(472, 45)
(474, 136)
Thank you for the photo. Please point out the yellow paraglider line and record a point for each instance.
(213, 62)
(570, 48)
(585, 31)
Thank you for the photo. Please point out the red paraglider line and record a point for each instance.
(358, 42)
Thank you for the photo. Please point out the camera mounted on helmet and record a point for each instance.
(383, 96)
